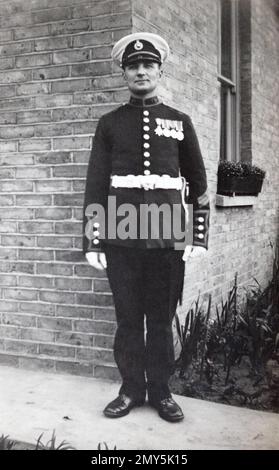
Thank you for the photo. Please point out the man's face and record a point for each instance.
(142, 77)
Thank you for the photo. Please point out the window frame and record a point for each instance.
(230, 122)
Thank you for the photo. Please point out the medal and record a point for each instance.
(166, 132)
(180, 135)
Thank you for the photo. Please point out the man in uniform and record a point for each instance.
(142, 154)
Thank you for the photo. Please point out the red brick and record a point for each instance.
(7, 331)
(34, 144)
(28, 117)
(8, 306)
(93, 98)
(75, 368)
(57, 297)
(19, 320)
(88, 11)
(50, 73)
(32, 173)
(13, 132)
(74, 312)
(31, 32)
(53, 213)
(16, 186)
(8, 146)
(5, 279)
(35, 227)
(6, 173)
(75, 339)
(36, 334)
(16, 48)
(33, 363)
(17, 240)
(112, 21)
(92, 39)
(69, 26)
(53, 101)
(55, 242)
(70, 171)
(33, 200)
(16, 213)
(33, 89)
(42, 255)
(7, 92)
(101, 286)
(72, 143)
(6, 36)
(8, 360)
(49, 15)
(51, 186)
(33, 60)
(15, 76)
(69, 86)
(21, 346)
(67, 228)
(20, 294)
(92, 69)
(8, 118)
(53, 158)
(17, 267)
(37, 308)
(74, 285)
(71, 56)
(54, 324)
(56, 351)
(75, 113)
(106, 372)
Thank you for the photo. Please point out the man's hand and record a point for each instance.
(96, 259)
(193, 252)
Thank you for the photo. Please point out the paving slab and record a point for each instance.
(34, 402)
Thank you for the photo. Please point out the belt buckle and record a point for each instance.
(149, 182)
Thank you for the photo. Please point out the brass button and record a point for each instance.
(146, 172)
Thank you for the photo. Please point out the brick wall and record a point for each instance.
(239, 237)
(56, 80)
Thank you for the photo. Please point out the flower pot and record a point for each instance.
(239, 185)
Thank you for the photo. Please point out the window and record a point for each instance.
(229, 77)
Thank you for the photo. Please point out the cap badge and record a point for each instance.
(138, 45)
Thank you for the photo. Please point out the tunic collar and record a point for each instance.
(144, 102)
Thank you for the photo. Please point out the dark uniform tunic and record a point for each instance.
(145, 137)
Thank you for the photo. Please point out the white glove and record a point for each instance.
(193, 252)
(96, 259)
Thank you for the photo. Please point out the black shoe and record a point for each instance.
(168, 409)
(121, 406)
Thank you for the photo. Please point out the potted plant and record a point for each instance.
(237, 178)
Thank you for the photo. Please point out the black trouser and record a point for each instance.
(144, 283)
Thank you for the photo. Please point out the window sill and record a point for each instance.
(234, 201)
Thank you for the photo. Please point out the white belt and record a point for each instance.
(147, 182)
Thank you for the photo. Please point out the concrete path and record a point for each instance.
(33, 402)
